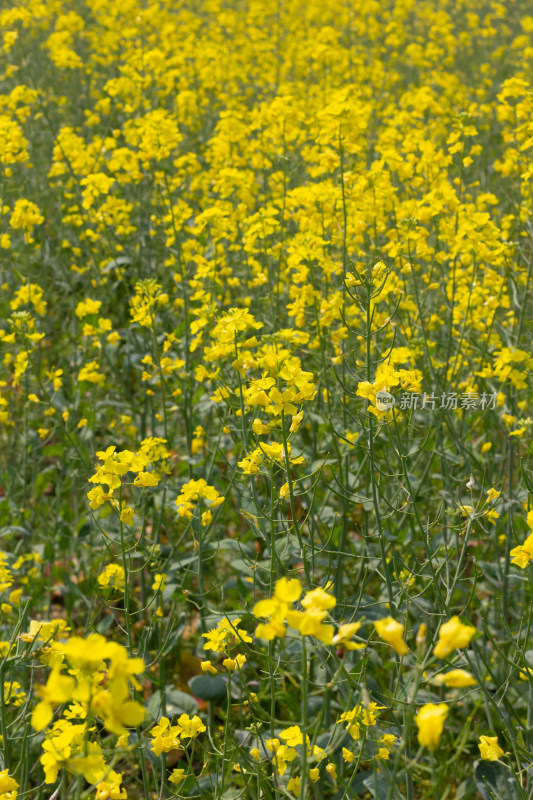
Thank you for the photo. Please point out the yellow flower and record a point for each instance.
(344, 635)
(272, 744)
(159, 582)
(455, 678)
(59, 689)
(112, 577)
(259, 428)
(523, 554)
(294, 785)
(391, 632)
(489, 748)
(288, 590)
(453, 634)
(314, 774)
(165, 737)
(110, 789)
(332, 770)
(430, 722)
(126, 515)
(191, 492)
(90, 373)
(177, 776)
(25, 215)
(189, 727)
(146, 479)
(421, 635)
(292, 735)
(224, 635)
(284, 753)
(8, 786)
(319, 599)
(234, 663)
(86, 307)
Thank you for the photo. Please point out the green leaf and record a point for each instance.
(208, 687)
(179, 702)
(379, 786)
(495, 781)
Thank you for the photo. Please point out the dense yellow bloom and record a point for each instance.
(29, 293)
(225, 635)
(165, 737)
(13, 145)
(284, 755)
(211, 186)
(90, 373)
(286, 592)
(59, 689)
(259, 428)
(99, 677)
(279, 609)
(359, 715)
(112, 577)
(65, 747)
(14, 695)
(43, 630)
(110, 788)
(190, 727)
(194, 490)
(88, 306)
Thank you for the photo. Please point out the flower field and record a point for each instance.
(266, 399)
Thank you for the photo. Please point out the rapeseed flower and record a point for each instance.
(455, 679)
(430, 721)
(453, 634)
(112, 577)
(523, 554)
(489, 749)
(225, 635)
(8, 786)
(391, 632)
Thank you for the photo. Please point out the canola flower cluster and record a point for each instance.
(92, 678)
(240, 240)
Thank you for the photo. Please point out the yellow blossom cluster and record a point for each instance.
(272, 264)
